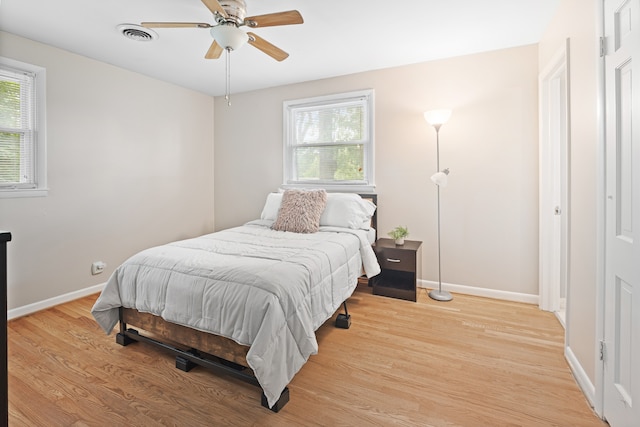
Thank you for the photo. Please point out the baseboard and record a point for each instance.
(588, 388)
(51, 302)
(462, 289)
(482, 292)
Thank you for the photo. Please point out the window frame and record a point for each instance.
(38, 131)
(288, 111)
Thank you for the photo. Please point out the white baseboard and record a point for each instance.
(588, 388)
(462, 289)
(482, 292)
(51, 302)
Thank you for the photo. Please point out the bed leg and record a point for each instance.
(121, 337)
(185, 364)
(284, 398)
(124, 340)
(343, 321)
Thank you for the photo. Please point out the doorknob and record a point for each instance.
(557, 210)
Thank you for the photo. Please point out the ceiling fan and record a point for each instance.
(229, 16)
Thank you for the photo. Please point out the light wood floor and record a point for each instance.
(468, 362)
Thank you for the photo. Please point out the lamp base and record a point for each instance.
(440, 295)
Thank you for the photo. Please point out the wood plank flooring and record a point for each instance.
(469, 362)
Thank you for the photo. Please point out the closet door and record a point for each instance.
(621, 347)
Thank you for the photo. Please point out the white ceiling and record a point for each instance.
(338, 37)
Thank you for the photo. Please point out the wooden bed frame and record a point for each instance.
(192, 347)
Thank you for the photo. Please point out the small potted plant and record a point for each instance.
(398, 234)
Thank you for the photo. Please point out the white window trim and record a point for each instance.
(41, 189)
(369, 187)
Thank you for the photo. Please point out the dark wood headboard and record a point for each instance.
(374, 218)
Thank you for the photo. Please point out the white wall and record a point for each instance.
(490, 208)
(129, 166)
(576, 20)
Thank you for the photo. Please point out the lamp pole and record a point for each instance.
(439, 295)
(437, 118)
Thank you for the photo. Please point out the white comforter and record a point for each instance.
(267, 289)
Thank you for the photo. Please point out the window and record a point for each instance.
(329, 142)
(22, 136)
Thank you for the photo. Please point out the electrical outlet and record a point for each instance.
(98, 267)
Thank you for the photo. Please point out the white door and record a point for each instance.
(554, 186)
(622, 257)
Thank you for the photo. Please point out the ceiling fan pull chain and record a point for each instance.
(227, 95)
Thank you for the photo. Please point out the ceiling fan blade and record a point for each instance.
(214, 52)
(271, 19)
(271, 50)
(215, 7)
(175, 25)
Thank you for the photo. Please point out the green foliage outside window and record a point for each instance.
(327, 144)
(335, 163)
(9, 141)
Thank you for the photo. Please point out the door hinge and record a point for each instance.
(603, 350)
(603, 46)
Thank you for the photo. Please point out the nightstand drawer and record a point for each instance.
(400, 265)
(397, 259)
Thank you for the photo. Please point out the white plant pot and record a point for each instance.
(400, 241)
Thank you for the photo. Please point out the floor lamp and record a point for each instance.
(437, 118)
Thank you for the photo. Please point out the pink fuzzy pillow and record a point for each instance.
(300, 211)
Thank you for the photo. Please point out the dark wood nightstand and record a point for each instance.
(401, 266)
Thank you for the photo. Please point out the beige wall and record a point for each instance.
(129, 166)
(489, 209)
(576, 20)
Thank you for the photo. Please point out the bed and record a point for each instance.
(247, 301)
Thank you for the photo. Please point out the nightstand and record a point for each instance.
(401, 266)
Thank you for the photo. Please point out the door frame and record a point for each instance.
(601, 218)
(554, 182)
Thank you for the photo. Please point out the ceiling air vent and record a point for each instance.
(137, 32)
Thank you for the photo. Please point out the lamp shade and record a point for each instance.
(437, 117)
(229, 36)
(440, 178)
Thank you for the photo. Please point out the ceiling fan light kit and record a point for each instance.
(229, 36)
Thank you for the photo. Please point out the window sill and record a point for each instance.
(365, 189)
(15, 194)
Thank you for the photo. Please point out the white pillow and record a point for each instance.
(347, 210)
(271, 206)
